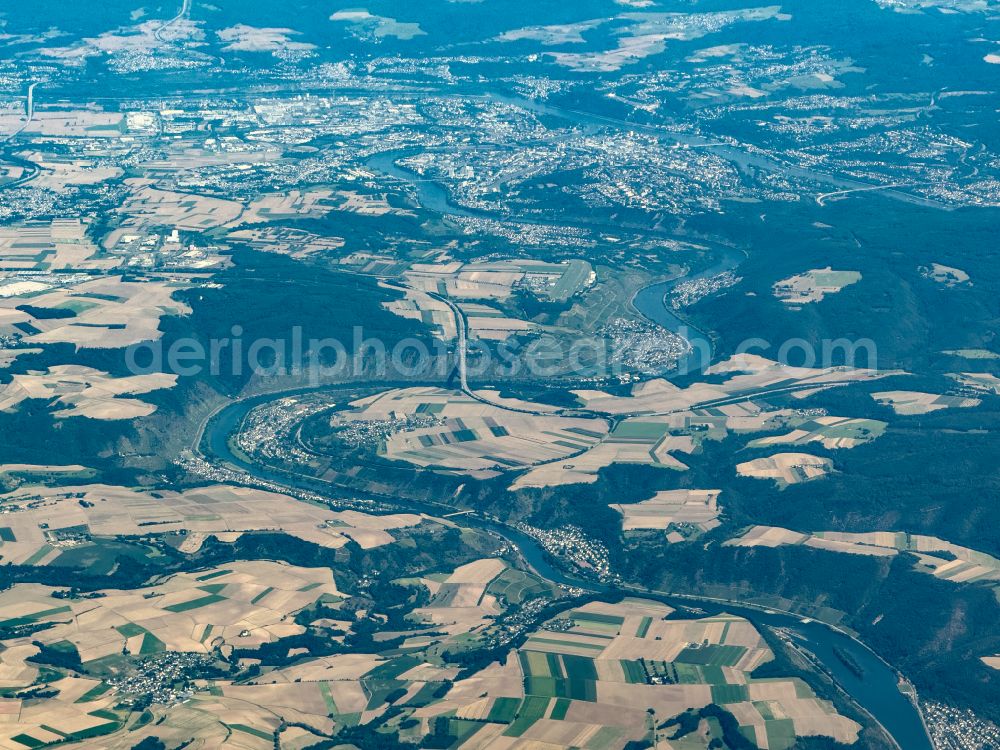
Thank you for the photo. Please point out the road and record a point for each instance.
(531, 552)
(461, 344)
(822, 199)
(182, 13)
(29, 110)
(462, 338)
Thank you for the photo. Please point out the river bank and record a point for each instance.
(872, 684)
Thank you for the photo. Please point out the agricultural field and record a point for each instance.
(909, 403)
(104, 313)
(366, 205)
(79, 711)
(241, 717)
(40, 524)
(149, 208)
(469, 436)
(81, 649)
(983, 382)
(513, 587)
(295, 243)
(812, 286)
(75, 123)
(479, 288)
(244, 604)
(13, 476)
(498, 280)
(460, 602)
(748, 375)
(645, 442)
(604, 675)
(62, 175)
(681, 514)
(88, 658)
(85, 392)
(417, 305)
(295, 204)
(55, 245)
(768, 536)
(972, 353)
(946, 275)
(830, 432)
(786, 468)
(663, 420)
(937, 557)
(490, 324)
(567, 205)
(311, 204)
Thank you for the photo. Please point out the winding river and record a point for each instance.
(874, 687)
(872, 683)
(651, 302)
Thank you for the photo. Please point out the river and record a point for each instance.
(875, 689)
(651, 302)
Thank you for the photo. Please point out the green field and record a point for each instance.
(202, 601)
(151, 645)
(28, 619)
(503, 710)
(723, 694)
(712, 655)
(262, 594)
(531, 710)
(560, 709)
(331, 705)
(250, 730)
(213, 574)
(591, 618)
(640, 431)
(633, 671)
(517, 586)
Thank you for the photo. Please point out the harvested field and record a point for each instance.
(105, 313)
(85, 392)
(908, 403)
(681, 513)
(173, 615)
(588, 677)
(148, 208)
(830, 432)
(468, 436)
(33, 516)
(984, 382)
(813, 286)
(748, 375)
(498, 279)
(937, 557)
(946, 275)
(417, 305)
(786, 468)
(460, 602)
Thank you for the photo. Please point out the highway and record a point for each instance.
(29, 110)
(182, 13)
(883, 702)
(461, 326)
